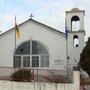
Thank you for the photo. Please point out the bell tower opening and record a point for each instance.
(75, 41)
(75, 23)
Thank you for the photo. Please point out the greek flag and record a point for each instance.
(66, 30)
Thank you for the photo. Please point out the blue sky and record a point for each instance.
(49, 12)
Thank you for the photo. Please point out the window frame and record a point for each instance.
(33, 55)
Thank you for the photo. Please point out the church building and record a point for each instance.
(43, 47)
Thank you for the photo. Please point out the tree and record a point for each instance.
(84, 62)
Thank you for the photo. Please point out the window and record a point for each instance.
(37, 48)
(17, 61)
(35, 61)
(31, 54)
(44, 61)
(23, 49)
(26, 61)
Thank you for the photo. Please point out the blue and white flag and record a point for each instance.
(66, 30)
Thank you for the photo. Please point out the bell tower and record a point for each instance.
(76, 33)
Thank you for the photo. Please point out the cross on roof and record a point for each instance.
(31, 16)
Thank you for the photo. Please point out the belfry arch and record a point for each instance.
(75, 41)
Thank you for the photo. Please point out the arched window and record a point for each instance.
(31, 54)
(75, 23)
(75, 41)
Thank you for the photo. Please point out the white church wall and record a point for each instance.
(55, 42)
(6, 48)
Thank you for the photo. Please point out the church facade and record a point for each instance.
(43, 47)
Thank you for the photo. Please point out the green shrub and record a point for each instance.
(22, 75)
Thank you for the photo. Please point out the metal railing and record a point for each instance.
(46, 75)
